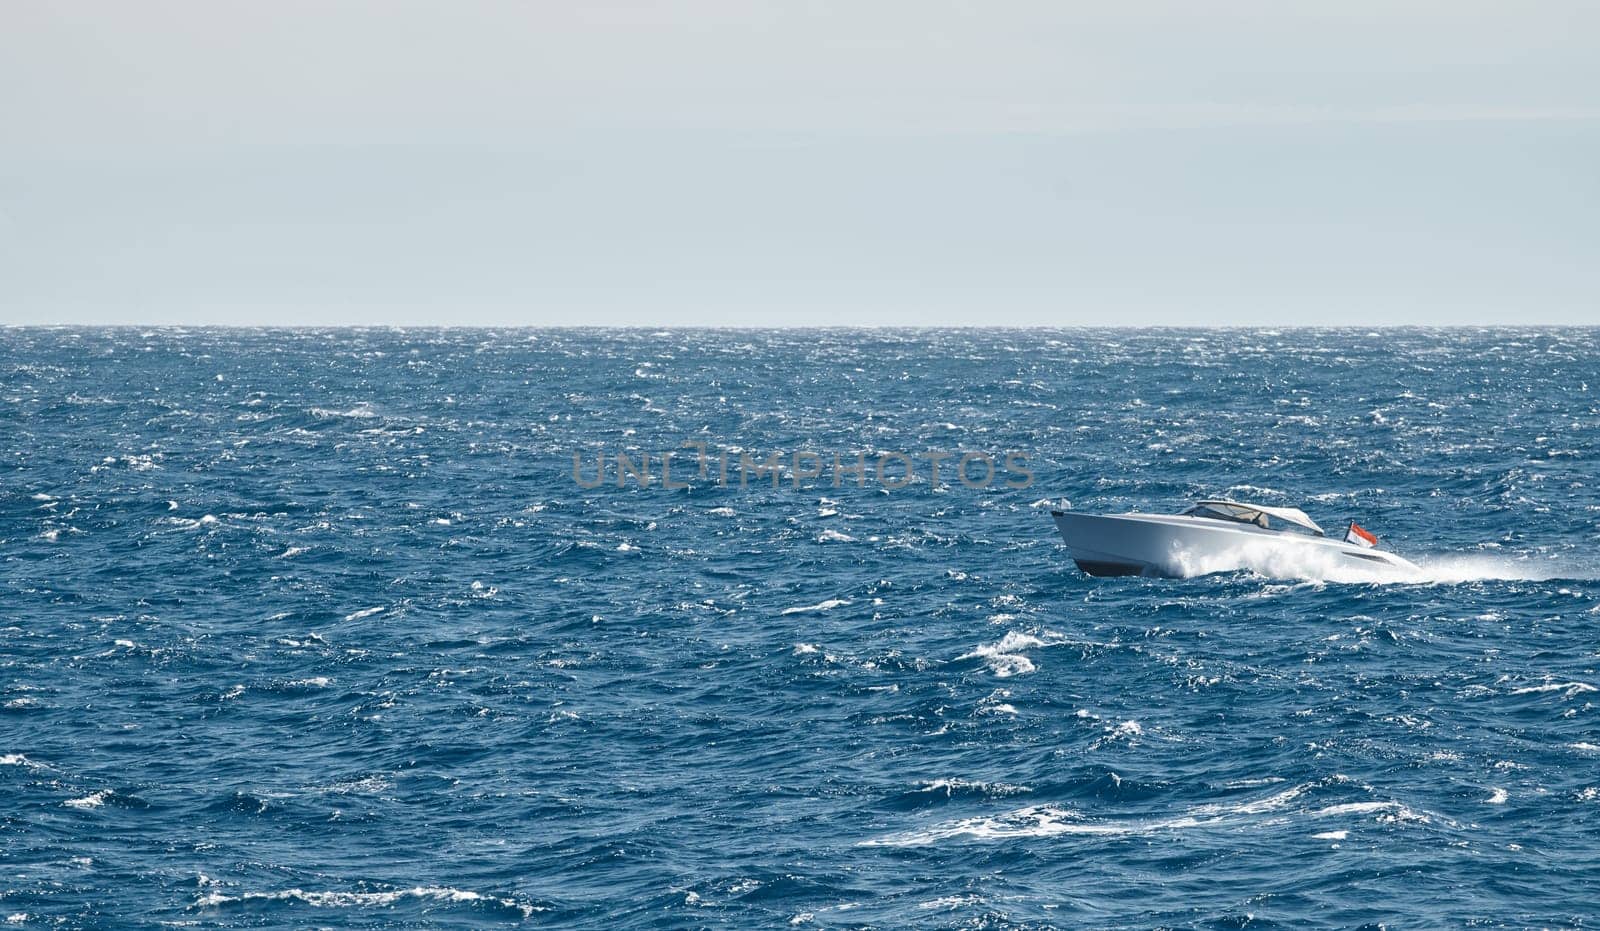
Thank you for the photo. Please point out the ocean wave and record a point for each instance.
(366, 900)
(346, 612)
(1268, 813)
(820, 606)
(1007, 657)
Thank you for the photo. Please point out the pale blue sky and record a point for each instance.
(744, 163)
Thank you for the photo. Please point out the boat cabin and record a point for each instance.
(1267, 518)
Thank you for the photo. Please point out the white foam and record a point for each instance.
(835, 536)
(828, 605)
(1274, 802)
(949, 787)
(1053, 820)
(92, 800)
(1005, 658)
(1497, 797)
(364, 612)
(1253, 783)
(945, 903)
(1571, 688)
(360, 412)
(1032, 821)
(1358, 808)
(184, 523)
(1307, 563)
(319, 899)
(1319, 564)
(1331, 835)
(1484, 568)
(363, 786)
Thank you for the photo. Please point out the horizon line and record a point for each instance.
(799, 328)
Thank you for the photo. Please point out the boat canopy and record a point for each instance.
(1247, 513)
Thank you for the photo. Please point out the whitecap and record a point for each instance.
(1127, 729)
(1357, 808)
(949, 787)
(828, 605)
(1052, 820)
(1005, 658)
(92, 800)
(334, 899)
(360, 412)
(364, 612)
(994, 703)
(1032, 821)
(1571, 688)
(367, 785)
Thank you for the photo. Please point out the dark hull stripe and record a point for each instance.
(1108, 568)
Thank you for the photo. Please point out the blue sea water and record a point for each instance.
(315, 628)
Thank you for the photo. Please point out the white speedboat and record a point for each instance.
(1223, 536)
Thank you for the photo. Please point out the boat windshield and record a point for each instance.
(1216, 510)
(1263, 517)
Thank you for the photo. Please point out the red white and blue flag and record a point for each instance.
(1359, 537)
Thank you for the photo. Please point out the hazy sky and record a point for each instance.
(765, 163)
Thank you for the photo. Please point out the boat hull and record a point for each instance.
(1178, 546)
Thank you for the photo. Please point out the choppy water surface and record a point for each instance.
(316, 629)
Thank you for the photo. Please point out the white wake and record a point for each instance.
(1319, 565)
